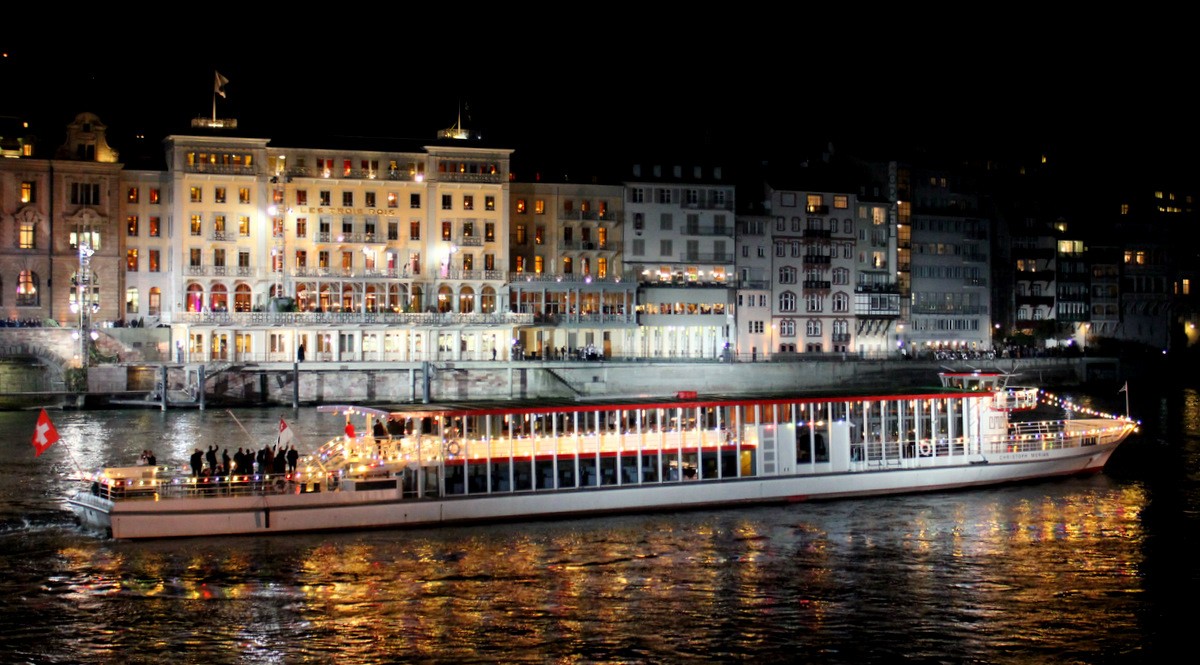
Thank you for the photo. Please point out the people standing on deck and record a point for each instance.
(211, 456)
(151, 459)
(197, 462)
(267, 465)
(293, 458)
(225, 461)
(279, 462)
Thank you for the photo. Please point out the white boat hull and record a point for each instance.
(375, 509)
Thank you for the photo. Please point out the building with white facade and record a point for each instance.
(679, 241)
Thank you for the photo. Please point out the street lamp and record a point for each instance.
(83, 305)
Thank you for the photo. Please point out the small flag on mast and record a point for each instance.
(220, 84)
(1124, 388)
(285, 434)
(44, 435)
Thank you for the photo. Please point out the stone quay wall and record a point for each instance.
(383, 383)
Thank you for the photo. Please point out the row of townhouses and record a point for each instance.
(249, 251)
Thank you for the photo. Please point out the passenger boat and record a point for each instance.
(426, 465)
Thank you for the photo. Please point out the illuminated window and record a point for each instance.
(27, 235)
(132, 195)
(602, 267)
(301, 197)
(27, 192)
(521, 206)
(244, 226)
(539, 263)
(520, 234)
(539, 207)
(414, 230)
(301, 227)
(131, 225)
(197, 197)
(219, 194)
(539, 235)
(154, 307)
(447, 230)
(468, 202)
(27, 289)
(153, 262)
(841, 201)
(489, 202)
(154, 195)
(131, 301)
(196, 226)
(244, 195)
(369, 199)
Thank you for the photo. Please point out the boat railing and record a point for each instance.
(168, 486)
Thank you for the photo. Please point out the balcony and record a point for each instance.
(818, 234)
(817, 285)
(707, 257)
(708, 230)
(627, 277)
(361, 238)
(365, 273)
(246, 319)
(817, 209)
(221, 169)
(470, 241)
(225, 271)
(584, 245)
(224, 236)
(817, 260)
(353, 174)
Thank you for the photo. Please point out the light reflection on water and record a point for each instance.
(1048, 572)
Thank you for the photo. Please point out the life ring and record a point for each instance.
(926, 449)
(453, 449)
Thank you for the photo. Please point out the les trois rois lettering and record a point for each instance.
(317, 210)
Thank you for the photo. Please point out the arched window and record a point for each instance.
(241, 298)
(131, 301)
(445, 299)
(487, 300)
(195, 298)
(466, 300)
(787, 328)
(27, 289)
(787, 275)
(787, 301)
(841, 302)
(218, 299)
(154, 307)
(812, 328)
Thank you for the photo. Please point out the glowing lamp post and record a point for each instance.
(84, 304)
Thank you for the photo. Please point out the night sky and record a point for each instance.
(1090, 104)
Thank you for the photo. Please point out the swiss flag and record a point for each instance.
(44, 435)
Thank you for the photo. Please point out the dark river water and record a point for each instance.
(1090, 570)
